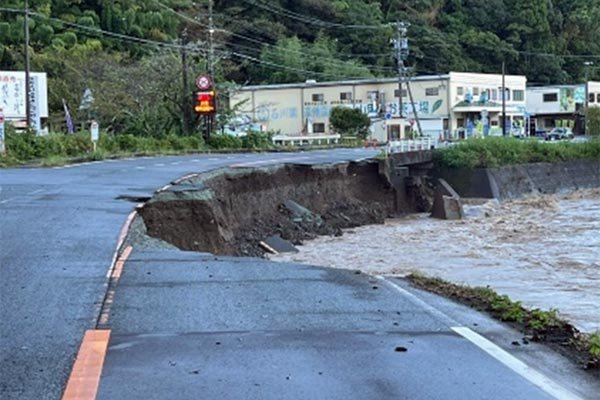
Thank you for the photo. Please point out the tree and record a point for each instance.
(349, 121)
(592, 118)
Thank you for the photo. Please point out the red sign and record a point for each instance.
(206, 102)
(204, 82)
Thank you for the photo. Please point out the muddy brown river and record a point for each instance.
(543, 251)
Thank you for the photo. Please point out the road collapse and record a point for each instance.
(231, 211)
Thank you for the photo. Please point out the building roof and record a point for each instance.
(309, 84)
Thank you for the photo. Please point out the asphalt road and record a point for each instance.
(187, 325)
(58, 232)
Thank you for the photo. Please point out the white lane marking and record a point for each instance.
(213, 159)
(5, 201)
(121, 239)
(417, 301)
(140, 167)
(159, 165)
(518, 366)
(35, 191)
(176, 163)
(196, 160)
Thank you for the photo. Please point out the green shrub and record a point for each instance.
(224, 141)
(497, 152)
(257, 140)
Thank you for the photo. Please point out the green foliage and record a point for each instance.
(224, 141)
(595, 344)
(593, 121)
(349, 121)
(539, 320)
(257, 140)
(497, 152)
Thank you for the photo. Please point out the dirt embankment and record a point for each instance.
(229, 211)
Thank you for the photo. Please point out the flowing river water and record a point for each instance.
(543, 251)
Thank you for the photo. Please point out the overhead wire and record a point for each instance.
(311, 20)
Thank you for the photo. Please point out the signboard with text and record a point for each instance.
(12, 95)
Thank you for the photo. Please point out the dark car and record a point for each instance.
(560, 134)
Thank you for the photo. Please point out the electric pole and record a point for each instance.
(401, 47)
(402, 52)
(185, 82)
(211, 43)
(503, 98)
(27, 68)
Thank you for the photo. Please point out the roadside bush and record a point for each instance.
(257, 140)
(224, 141)
(498, 152)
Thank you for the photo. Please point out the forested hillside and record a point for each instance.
(129, 51)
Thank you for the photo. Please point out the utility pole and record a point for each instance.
(185, 81)
(586, 103)
(211, 43)
(503, 98)
(401, 47)
(402, 52)
(27, 68)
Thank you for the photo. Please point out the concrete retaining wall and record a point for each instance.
(520, 180)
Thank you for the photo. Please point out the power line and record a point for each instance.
(310, 20)
(262, 43)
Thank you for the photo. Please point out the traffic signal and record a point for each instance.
(206, 102)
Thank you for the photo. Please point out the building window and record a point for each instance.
(475, 91)
(494, 94)
(432, 92)
(507, 93)
(550, 97)
(319, 127)
(592, 98)
(404, 93)
(345, 96)
(518, 95)
(460, 91)
(598, 98)
(373, 95)
(318, 97)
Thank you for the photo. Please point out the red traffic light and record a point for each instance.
(206, 102)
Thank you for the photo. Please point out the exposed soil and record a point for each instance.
(536, 326)
(230, 211)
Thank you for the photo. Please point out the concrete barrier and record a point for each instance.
(519, 180)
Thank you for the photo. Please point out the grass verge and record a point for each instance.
(498, 152)
(59, 149)
(537, 325)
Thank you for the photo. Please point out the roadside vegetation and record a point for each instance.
(58, 148)
(498, 152)
(535, 324)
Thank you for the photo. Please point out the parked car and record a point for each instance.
(560, 134)
(540, 133)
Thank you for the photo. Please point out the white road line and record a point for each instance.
(518, 366)
(176, 163)
(35, 191)
(417, 301)
(213, 159)
(196, 160)
(5, 201)
(140, 167)
(159, 165)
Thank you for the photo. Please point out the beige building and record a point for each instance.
(593, 94)
(452, 105)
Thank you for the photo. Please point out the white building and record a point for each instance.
(452, 105)
(557, 106)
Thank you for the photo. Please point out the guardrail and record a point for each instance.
(300, 140)
(407, 145)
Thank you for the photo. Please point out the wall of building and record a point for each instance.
(305, 108)
(593, 90)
